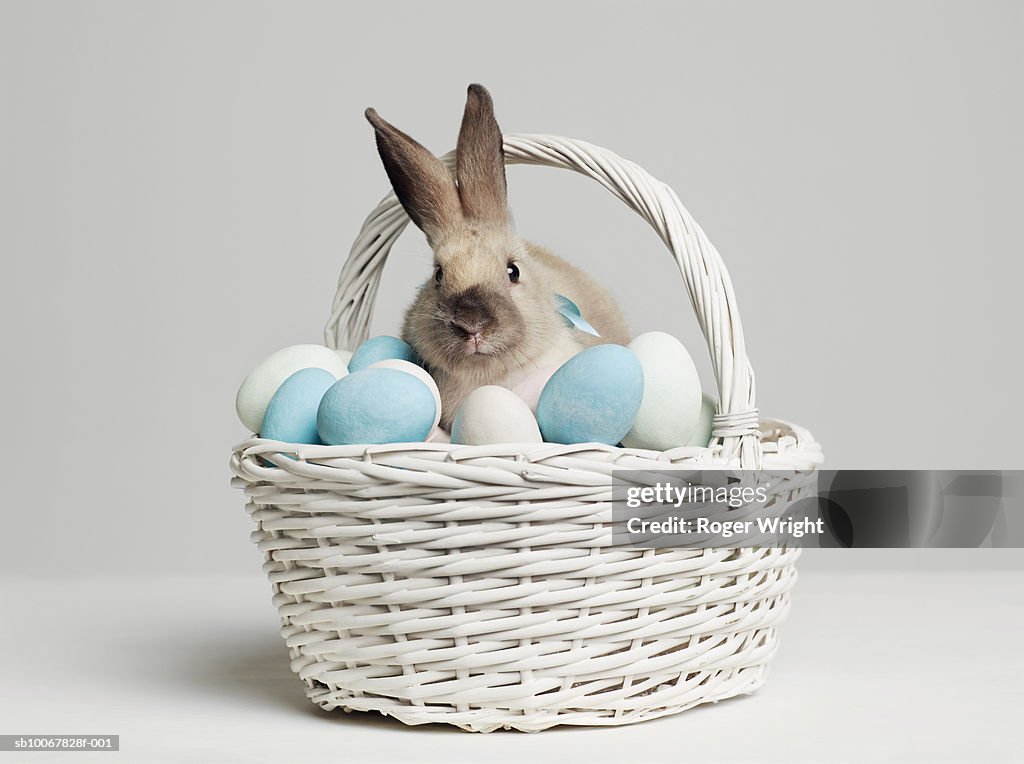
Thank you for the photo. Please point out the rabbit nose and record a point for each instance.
(470, 328)
(470, 315)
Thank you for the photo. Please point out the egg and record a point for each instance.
(261, 384)
(593, 397)
(529, 387)
(376, 406)
(493, 414)
(344, 355)
(380, 349)
(705, 422)
(420, 373)
(671, 403)
(291, 413)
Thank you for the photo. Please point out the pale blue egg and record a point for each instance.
(705, 422)
(291, 413)
(381, 348)
(593, 397)
(376, 406)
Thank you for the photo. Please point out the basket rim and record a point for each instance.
(781, 438)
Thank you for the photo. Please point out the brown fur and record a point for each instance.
(474, 326)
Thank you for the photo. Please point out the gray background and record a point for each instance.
(179, 185)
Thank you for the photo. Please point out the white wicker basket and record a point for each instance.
(477, 586)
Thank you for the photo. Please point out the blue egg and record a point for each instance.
(593, 397)
(381, 348)
(376, 406)
(291, 413)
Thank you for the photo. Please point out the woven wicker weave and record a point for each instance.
(477, 585)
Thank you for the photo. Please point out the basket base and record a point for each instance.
(681, 695)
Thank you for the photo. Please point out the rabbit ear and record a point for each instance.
(480, 161)
(422, 183)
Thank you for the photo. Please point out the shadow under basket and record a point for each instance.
(477, 585)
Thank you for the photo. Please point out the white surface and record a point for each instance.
(886, 666)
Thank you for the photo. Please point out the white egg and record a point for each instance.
(493, 414)
(417, 371)
(670, 410)
(261, 384)
(344, 355)
(530, 387)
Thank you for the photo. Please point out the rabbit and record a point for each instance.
(487, 315)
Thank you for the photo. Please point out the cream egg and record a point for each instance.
(493, 414)
(671, 405)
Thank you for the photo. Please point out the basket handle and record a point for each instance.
(704, 273)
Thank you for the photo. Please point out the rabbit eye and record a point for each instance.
(513, 273)
(438, 274)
